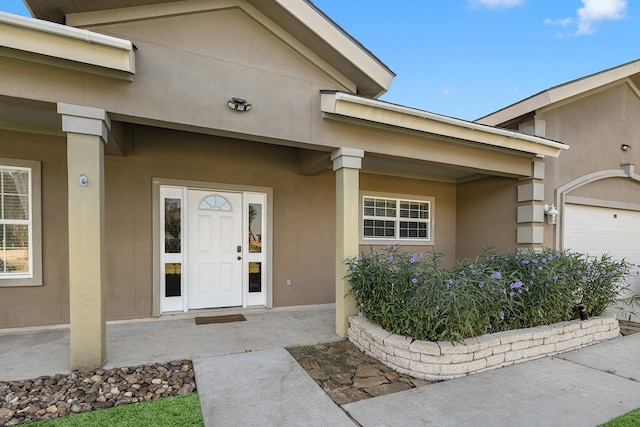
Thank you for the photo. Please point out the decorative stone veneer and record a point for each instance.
(436, 361)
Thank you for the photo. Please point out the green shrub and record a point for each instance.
(414, 296)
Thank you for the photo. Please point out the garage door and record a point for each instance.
(596, 231)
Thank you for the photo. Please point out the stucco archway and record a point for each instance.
(625, 171)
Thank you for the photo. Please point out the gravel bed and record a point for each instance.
(65, 394)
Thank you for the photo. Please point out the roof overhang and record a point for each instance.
(299, 18)
(562, 93)
(375, 113)
(46, 42)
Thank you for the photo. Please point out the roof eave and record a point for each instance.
(356, 107)
(561, 93)
(46, 42)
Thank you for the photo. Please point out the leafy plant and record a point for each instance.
(413, 295)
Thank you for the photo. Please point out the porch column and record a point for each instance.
(346, 164)
(87, 131)
(530, 217)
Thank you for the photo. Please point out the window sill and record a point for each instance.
(378, 242)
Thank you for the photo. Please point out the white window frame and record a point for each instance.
(34, 276)
(396, 239)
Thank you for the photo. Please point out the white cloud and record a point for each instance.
(561, 22)
(495, 4)
(445, 91)
(599, 10)
(591, 12)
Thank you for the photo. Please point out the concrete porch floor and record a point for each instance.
(33, 352)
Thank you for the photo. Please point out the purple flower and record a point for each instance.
(525, 261)
(526, 289)
(501, 314)
(390, 258)
(496, 275)
(515, 285)
(535, 261)
(450, 293)
(511, 293)
(539, 268)
(555, 277)
(414, 280)
(437, 308)
(481, 284)
(504, 291)
(544, 260)
(520, 290)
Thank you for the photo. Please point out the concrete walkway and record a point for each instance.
(584, 387)
(245, 377)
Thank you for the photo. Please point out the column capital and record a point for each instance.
(345, 157)
(85, 120)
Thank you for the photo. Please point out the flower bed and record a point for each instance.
(413, 295)
(436, 361)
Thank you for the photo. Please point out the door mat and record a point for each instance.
(220, 319)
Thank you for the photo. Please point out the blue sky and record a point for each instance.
(468, 58)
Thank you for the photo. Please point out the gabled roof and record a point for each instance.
(300, 18)
(562, 93)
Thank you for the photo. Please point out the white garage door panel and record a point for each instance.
(596, 231)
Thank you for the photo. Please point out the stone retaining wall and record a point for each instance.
(436, 361)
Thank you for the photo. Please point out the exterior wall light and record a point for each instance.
(238, 104)
(552, 213)
(625, 147)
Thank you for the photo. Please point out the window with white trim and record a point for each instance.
(15, 222)
(396, 219)
(20, 228)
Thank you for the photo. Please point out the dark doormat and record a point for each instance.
(220, 319)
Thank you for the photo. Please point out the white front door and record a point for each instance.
(214, 249)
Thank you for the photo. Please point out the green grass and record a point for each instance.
(631, 419)
(171, 411)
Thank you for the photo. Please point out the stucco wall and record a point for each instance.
(47, 304)
(595, 127)
(187, 68)
(621, 190)
(487, 214)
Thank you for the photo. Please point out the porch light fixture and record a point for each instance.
(238, 104)
(625, 147)
(552, 213)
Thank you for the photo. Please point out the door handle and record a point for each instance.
(238, 249)
(239, 258)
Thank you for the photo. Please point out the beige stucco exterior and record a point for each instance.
(596, 116)
(315, 141)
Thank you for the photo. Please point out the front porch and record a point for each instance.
(33, 352)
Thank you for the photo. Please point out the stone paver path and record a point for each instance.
(347, 375)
